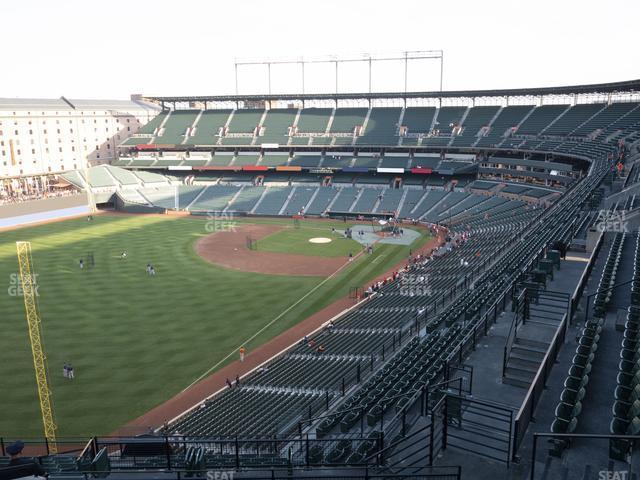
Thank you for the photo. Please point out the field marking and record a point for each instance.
(378, 258)
(235, 351)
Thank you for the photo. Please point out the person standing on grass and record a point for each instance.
(242, 352)
(81, 263)
(70, 371)
(65, 370)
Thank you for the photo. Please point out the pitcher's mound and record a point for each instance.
(319, 240)
(228, 249)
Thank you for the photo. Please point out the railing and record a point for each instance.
(527, 409)
(582, 283)
(513, 329)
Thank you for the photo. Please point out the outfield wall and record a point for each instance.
(43, 210)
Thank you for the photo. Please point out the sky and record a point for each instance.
(111, 49)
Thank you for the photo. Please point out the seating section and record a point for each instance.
(276, 125)
(382, 127)
(207, 129)
(570, 405)
(508, 118)
(322, 200)
(448, 118)
(477, 118)
(540, 118)
(626, 407)
(273, 201)
(215, 198)
(314, 120)
(346, 119)
(574, 117)
(299, 200)
(177, 126)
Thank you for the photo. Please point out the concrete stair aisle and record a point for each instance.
(233, 199)
(197, 197)
(313, 197)
(490, 125)
(532, 340)
(555, 120)
(264, 193)
(330, 206)
(402, 200)
(194, 125)
(160, 127)
(356, 199)
(286, 203)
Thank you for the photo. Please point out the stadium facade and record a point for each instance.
(44, 137)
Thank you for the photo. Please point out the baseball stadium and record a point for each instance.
(405, 284)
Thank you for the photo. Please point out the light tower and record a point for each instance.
(29, 293)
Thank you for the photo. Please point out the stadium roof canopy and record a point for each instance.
(599, 88)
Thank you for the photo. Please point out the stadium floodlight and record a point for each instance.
(370, 59)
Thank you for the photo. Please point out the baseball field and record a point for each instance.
(136, 340)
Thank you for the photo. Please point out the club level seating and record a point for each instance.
(425, 162)
(306, 160)
(394, 162)
(337, 161)
(247, 159)
(274, 160)
(366, 162)
(482, 185)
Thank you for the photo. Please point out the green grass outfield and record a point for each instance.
(134, 340)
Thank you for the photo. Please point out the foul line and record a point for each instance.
(205, 374)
